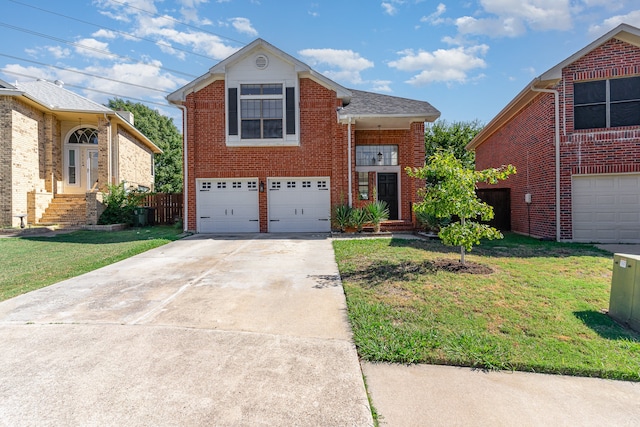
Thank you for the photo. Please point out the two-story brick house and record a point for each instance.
(58, 150)
(573, 134)
(271, 145)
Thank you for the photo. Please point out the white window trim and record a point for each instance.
(286, 140)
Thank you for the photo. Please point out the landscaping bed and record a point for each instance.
(523, 305)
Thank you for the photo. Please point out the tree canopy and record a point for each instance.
(450, 192)
(453, 137)
(163, 132)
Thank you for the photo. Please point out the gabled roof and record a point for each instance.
(55, 98)
(218, 72)
(371, 110)
(550, 78)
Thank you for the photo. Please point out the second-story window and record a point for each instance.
(607, 103)
(261, 111)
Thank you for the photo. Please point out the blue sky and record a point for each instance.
(467, 58)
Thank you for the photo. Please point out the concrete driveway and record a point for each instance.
(247, 330)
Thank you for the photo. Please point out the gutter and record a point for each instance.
(185, 171)
(556, 97)
(349, 162)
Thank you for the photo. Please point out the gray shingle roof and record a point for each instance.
(373, 104)
(58, 98)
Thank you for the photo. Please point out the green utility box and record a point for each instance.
(624, 305)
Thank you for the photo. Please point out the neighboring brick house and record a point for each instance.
(271, 145)
(58, 149)
(573, 134)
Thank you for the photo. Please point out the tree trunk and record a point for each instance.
(462, 261)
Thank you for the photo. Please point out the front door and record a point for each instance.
(388, 192)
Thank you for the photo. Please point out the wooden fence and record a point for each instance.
(167, 208)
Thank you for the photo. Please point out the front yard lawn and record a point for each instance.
(28, 263)
(542, 309)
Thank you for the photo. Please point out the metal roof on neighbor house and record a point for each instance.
(58, 98)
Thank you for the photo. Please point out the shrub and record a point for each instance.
(119, 205)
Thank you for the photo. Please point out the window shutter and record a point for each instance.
(233, 111)
(291, 110)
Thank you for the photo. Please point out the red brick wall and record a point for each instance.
(319, 152)
(322, 150)
(527, 142)
(591, 151)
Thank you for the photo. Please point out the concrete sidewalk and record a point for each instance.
(429, 395)
(226, 331)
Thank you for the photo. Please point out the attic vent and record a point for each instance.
(262, 62)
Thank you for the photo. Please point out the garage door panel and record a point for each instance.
(299, 205)
(228, 206)
(606, 209)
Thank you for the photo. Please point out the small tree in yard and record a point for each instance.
(450, 192)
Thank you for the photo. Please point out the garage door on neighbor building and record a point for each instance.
(299, 205)
(606, 208)
(227, 205)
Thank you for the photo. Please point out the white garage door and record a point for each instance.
(299, 205)
(227, 205)
(606, 208)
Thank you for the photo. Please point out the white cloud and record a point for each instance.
(243, 25)
(58, 51)
(92, 48)
(389, 9)
(511, 18)
(105, 34)
(346, 65)
(436, 17)
(381, 86)
(442, 65)
(631, 18)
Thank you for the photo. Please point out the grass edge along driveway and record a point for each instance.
(542, 309)
(33, 262)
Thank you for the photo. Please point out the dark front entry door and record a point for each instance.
(388, 191)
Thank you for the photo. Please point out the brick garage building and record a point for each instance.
(271, 145)
(573, 134)
(58, 149)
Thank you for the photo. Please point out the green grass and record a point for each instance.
(541, 310)
(28, 263)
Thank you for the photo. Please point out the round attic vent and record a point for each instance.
(262, 62)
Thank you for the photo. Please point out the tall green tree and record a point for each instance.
(453, 137)
(450, 191)
(163, 132)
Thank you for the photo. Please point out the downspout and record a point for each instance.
(185, 171)
(349, 162)
(109, 153)
(556, 97)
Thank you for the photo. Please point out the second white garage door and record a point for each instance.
(606, 208)
(299, 205)
(227, 205)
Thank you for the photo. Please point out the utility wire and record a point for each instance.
(84, 73)
(103, 52)
(156, 42)
(4, 70)
(169, 18)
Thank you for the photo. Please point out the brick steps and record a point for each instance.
(66, 210)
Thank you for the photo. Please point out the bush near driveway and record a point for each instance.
(28, 263)
(541, 310)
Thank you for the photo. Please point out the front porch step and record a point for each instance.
(66, 210)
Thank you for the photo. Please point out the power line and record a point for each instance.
(103, 52)
(124, 33)
(83, 73)
(169, 18)
(4, 70)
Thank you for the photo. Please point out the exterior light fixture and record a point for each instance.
(379, 157)
(261, 186)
